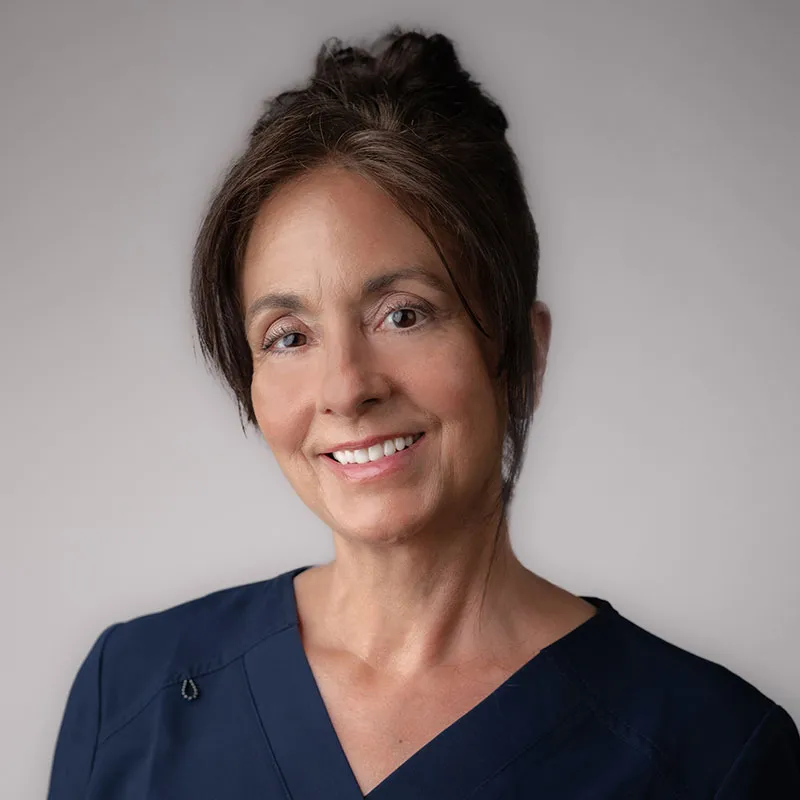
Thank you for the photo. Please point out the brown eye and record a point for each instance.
(404, 317)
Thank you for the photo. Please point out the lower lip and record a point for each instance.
(372, 470)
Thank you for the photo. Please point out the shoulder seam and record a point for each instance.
(105, 637)
(619, 728)
(171, 681)
(724, 783)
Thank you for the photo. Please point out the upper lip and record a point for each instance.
(363, 444)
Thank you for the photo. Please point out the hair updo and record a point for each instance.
(403, 113)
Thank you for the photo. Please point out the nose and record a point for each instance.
(352, 379)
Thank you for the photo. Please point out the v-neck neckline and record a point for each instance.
(533, 702)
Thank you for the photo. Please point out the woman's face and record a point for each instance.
(358, 334)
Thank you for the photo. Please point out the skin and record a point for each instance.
(395, 616)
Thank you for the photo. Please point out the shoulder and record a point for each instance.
(690, 715)
(137, 658)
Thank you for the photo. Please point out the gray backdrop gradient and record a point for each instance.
(659, 142)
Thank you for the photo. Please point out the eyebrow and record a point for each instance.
(290, 301)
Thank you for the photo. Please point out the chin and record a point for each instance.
(375, 523)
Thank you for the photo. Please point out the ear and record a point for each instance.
(541, 329)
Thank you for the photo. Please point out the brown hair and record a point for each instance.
(403, 113)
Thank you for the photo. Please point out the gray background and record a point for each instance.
(660, 145)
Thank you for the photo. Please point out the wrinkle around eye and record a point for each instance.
(381, 312)
(264, 329)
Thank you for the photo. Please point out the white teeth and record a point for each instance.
(376, 451)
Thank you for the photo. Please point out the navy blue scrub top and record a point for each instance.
(214, 699)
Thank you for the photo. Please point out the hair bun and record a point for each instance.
(335, 57)
(422, 67)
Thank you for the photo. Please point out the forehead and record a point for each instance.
(333, 228)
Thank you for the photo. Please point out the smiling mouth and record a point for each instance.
(376, 452)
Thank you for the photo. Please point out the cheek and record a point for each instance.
(281, 418)
(455, 385)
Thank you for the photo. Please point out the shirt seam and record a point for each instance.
(740, 755)
(100, 658)
(182, 675)
(571, 719)
(275, 763)
(623, 730)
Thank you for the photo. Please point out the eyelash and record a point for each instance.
(399, 305)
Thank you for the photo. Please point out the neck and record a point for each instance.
(410, 606)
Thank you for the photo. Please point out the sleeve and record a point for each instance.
(769, 764)
(77, 737)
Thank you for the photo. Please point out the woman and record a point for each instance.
(365, 282)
